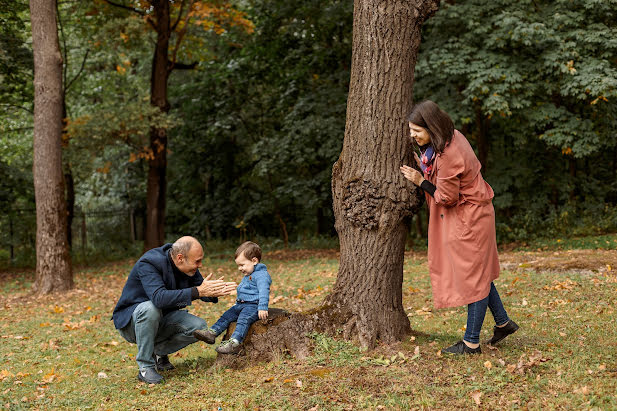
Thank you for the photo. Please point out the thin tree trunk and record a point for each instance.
(157, 181)
(70, 204)
(371, 199)
(482, 123)
(53, 262)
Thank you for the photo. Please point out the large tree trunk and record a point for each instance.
(371, 198)
(53, 262)
(157, 181)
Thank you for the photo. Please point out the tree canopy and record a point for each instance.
(256, 125)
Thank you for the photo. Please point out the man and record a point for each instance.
(149, 314)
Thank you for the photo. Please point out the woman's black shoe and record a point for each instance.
(499, 333)
(461, 348)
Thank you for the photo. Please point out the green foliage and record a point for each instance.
(263, 143)
(15, 55)
(541, 79)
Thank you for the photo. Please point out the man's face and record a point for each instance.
(192, 261)
(245, 265)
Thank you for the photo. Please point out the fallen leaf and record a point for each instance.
(57, 309)
(5, 374)
(269, 379)
(476, 396)
(287, 380)
(488, 364)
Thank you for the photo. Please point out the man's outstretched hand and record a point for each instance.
(215, 288)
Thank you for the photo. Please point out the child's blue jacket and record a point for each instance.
(256, 287)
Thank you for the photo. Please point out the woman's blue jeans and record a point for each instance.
(155, 333)
(244, 314)
(476, 312)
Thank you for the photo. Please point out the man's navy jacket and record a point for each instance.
(152, 279)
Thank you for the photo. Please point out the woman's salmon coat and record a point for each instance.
(462, 248)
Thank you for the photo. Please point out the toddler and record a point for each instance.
(251, 303)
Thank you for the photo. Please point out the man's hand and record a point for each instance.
(215, 288)
(263, 314)
(412, 175)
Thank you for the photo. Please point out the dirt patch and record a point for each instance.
(564, 260)
(287, 255)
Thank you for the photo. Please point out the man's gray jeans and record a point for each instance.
(155, 333)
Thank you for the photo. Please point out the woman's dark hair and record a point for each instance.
(437, 122)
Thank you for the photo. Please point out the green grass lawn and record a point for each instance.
(62, 352)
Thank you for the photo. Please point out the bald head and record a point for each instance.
(183, 245)
(187, 254)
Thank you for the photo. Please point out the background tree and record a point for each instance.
(53, 268)
(168, 18)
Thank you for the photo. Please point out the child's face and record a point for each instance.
(245, 265)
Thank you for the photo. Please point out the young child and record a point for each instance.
(251, 303)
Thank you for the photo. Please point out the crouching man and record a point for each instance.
(149, 314)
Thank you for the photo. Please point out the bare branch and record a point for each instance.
(173, 27)
(182, 66)
(19, 107)
(180, 35)
(122, 6)
(11, 130)
(83, 64)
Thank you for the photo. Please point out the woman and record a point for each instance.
(462, 249)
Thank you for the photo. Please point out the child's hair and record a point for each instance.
(250, 250)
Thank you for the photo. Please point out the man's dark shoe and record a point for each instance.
(208, 336)
(461, 348)
(163, 364)
(230, 346)
(149, 376)
(499, 333)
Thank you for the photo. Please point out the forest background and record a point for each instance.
(257, 116)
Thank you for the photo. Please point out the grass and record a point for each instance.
(62, 352)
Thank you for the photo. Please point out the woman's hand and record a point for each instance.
(412, 175)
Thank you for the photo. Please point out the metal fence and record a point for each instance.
(93, 231)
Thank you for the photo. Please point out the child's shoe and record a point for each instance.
(208, 336)
(499, 333)
(231, 346)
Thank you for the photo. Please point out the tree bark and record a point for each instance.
(157, 180)
(53, 262)
(371, 198)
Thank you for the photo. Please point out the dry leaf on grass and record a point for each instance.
(476, 395)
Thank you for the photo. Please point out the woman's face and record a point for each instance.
(419, 134)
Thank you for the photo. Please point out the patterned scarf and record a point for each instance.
(427, 155)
